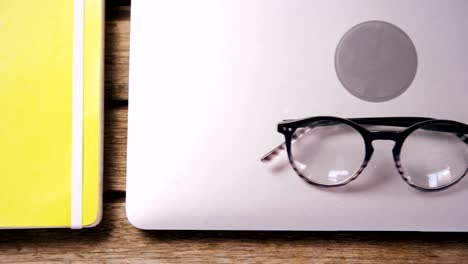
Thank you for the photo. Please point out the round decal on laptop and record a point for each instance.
(376, 61)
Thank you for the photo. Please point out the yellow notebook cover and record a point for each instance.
(51, 61)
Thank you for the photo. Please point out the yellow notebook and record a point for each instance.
(51, 61)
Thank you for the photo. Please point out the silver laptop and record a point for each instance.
(362, 84)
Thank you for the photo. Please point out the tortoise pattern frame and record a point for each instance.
(291, 132)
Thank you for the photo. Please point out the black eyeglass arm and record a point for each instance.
(376, 121)
(390, 121)
(409, 121)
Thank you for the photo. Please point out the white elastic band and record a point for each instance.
(77, 116)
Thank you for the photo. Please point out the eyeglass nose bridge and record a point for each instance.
(395, 136)
(398, 138)
(384, 135)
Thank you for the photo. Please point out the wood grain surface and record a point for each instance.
(116, 241)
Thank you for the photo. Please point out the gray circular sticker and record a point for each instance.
(376, 61)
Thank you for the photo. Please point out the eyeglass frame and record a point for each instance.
(289, 127)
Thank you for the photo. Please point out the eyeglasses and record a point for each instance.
(429, 154)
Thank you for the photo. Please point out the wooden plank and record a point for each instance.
(116, 94)
(118, 3)
(115, 148)
(116, 241)
(117, 52)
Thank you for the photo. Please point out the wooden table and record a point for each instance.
(116, 241)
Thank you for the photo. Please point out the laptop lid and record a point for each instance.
(211, 79)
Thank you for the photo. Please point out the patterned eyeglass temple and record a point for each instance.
(276, 151)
